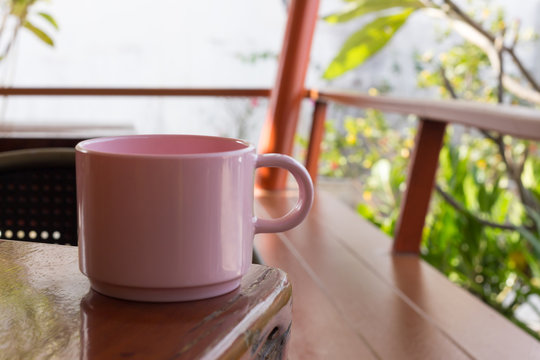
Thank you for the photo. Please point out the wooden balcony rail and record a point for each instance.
(433, 116)
(66, 91)
(517, 121)
(66, 140)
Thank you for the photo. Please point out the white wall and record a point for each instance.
(135, 43)
(181, 43)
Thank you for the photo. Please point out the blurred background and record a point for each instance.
(483, 228)
(208, 43)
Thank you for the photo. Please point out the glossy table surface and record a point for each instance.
(47, 310)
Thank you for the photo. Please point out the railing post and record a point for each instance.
(420, 183)
(284, 106)
(315, 139)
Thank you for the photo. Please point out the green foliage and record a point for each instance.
(21, 12)
(367, 148)
(496, 264)
(462, 65)
(529, 235)
(372, 37)
(531, 169)
(49, 19)
(352, 150)
(483, 228)
(39, 33)
(366, 42)
(362, 7)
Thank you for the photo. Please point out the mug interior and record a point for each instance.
(162, 145)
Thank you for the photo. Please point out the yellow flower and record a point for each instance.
(367, 163)
(367, 195)
(409, 143)
(373, 92)
(481, 163)
(517, 261)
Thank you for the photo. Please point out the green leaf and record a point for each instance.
(367, 6)
(531, 238)
(534, 215)
(366, 42)
(533, 263)
(39, 33)
(50, 19)
(470, 190)
(366, 211)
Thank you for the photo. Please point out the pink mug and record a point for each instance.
(170, 217)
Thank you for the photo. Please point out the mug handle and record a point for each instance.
(305, 199)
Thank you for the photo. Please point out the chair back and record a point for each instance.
(38, 195)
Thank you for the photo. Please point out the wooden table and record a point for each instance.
(47, 310)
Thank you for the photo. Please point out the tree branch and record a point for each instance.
(488, 135)
(514, 171)
(4, 20)
(499, 46)
(459, 207)
(457, 10)
(510, 50)
(447, 84)
(522, 69)
(11, 41)
(475, 34)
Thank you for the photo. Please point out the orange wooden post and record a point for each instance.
(420, 182)
(282, 117)
(315, 139)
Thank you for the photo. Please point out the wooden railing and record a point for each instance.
(59, 91)
(433, 116)
(65, 140)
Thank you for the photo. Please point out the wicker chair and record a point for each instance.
(38, 195)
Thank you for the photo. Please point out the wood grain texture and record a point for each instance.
(512, 120)
(420, 183)
(398, 306)
(48, 311)
(319, 330)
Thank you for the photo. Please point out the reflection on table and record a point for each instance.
(47, 309)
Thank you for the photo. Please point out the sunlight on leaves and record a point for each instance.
(359, 8)
(366, 42)
(49, 19)
(39, 33)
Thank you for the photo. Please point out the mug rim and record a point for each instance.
(81, 146)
